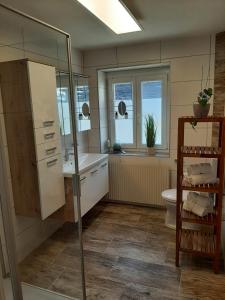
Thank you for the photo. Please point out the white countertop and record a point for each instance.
(86, 161)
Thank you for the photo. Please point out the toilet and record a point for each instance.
(170, 197)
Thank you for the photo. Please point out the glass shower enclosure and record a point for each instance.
(39, 259)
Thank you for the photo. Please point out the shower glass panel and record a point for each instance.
(39, 255)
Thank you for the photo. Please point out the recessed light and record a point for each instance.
(113, 13)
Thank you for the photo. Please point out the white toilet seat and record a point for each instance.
(170, 195)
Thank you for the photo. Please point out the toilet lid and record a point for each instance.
(171, 195)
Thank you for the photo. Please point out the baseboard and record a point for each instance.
(133, 203)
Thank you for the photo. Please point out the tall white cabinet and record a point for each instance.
(33, 135)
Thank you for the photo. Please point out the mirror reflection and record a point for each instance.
(81, 98)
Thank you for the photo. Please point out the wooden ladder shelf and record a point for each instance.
(205, 241)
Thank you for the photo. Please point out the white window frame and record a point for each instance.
(136, 76)
(154, 76)
(122, 79)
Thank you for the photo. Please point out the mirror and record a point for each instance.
(81, 97)
(83, 104)
(85, 110)
(122, 108)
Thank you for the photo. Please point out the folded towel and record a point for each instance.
(200, 199)
(200, 179)
(201, 211)
(198, 204)
(189, 203)
(197, 169)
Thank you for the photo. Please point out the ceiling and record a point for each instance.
(160, 19)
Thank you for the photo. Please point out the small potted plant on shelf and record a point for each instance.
(202, 107)
(150, 133)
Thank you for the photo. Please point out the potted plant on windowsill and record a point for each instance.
(202, 107)
(150, 133)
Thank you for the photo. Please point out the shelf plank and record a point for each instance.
(200, 151)
(189, 217)
(196, 242)
(207, 188)
(207, 119)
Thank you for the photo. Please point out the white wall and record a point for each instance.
(31, 232)
(185, 57)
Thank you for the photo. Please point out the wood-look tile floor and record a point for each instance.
(129, 254)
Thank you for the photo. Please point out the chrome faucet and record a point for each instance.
(68, 152)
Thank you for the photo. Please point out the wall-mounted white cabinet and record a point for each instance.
(33, 135)
(94, 186)
(94, 181)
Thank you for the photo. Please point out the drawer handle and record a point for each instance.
(82, 179)
(50, 150)
(104, 165)
(93, 172)
(49, 135)
(52, 162)
(48, 123)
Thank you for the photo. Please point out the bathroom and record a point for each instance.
(102, 223)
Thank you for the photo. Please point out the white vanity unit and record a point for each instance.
(93, 169)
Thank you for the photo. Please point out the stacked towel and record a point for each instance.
(202, 168)
(198, 204)
(202, 173)
(200, 179)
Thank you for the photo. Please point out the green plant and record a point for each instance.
(194, 124)
(117, 147)
(204, 96)
(150, 131)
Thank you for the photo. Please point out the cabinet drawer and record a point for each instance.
(51, 185)
(104, 179)
(86, 199)
(46, 134)
(48, 149)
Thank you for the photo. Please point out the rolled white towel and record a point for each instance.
(200, 179)
(197, 169)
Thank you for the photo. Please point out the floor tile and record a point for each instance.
(129, 254)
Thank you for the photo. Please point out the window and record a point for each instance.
(133, 95)
(64, 110)
(123, 94)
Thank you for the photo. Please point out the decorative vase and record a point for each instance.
(201, 111)
(151, 150)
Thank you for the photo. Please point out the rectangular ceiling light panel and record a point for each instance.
(113, 13)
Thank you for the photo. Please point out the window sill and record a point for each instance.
(141, 154)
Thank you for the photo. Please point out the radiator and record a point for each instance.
(134, 180)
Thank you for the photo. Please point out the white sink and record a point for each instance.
(85, 160)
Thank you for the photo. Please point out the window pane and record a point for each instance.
(151, 103)
(123, 95)
(82, 93)
(64, 110)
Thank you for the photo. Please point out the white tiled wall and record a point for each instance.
(31, 232)
(186, 56)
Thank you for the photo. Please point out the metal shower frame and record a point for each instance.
(8, 227)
